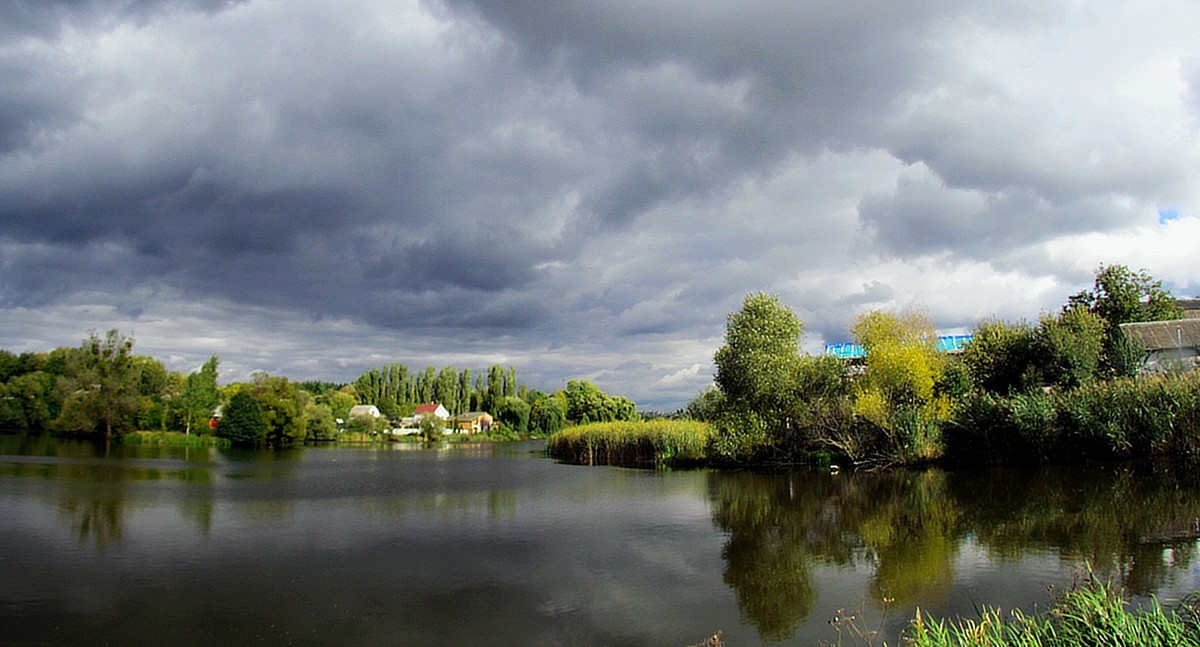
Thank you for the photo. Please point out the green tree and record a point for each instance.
(340, 402)
(432, 427)
(446, 390)
(999, 355)
(1068, 348)
(319, 423)
(102, 386)
(547, 414)
(242, 422)
(756, 367)
(513, 413)
(1120, 295)
(587, 403)
(282, 405)
(200, 396)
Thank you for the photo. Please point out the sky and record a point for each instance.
(582, 190)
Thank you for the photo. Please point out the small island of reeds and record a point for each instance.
(653, 443)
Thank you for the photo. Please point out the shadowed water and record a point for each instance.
(495, 545)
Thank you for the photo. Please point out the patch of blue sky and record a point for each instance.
(1167, 215)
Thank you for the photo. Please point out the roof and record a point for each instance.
(945, 344)
(364, 410)
(431, 407)
(1160, 335)
(1190, 307)
(471, 415)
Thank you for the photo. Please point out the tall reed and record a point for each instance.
(655, 443)
(1092, 615)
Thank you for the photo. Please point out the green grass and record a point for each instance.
(173, 438)
(1091, 615)
(655, 443)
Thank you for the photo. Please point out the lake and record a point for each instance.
(493, 544)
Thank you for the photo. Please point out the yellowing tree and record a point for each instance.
(896, 391)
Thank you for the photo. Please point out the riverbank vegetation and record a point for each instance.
(1095, 614)
(102, 388)
(656, 443)
(1067, 388)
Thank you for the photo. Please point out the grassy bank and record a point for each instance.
(656, 443)
(1123, 418)
(1092, 615)
(173, 438)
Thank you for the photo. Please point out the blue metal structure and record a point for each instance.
(848, 350)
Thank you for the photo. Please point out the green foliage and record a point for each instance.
(1095, 614)
(1123, 418)
(432, 427)
(1068, 348)
(999, 355)
(319, 423)
(200, 396)
(658, 443)
(513, 414)
(282, 405)
(756, 367)
(547, 414)
(705, 407)
(242, 423)
(587, 403)
(101, 386)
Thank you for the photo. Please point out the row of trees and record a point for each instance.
(103, 388)
(771, 401)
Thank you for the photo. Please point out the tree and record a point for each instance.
(587, 403)
(282, 406)
(319, 423)
(757, 365)
(513, 413)
(547, 414)
(1068, 349)
(200, 396)
(1120, 295)
(102, 386)
(432, 427)
(999, 355)
(896, 392)
(242, 422)
(446, 390)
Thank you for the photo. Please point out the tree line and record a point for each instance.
(102, 388)
(1017, 388)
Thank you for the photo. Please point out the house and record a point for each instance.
(1190, 307)
(473, 422)
(1170, 345)
(364, 411)
(434, 408)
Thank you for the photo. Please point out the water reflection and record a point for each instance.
(1136, 524)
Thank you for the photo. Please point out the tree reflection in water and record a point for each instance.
(1136, 524)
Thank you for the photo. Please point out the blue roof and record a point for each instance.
(849, 350)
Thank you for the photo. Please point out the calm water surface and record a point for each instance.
(495, 545)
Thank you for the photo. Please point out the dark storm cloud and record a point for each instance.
(779, 78)
(606, 179)
(46, 18)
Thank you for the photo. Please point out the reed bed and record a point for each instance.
(173, 439)
(1092, 615)
(655, 443)
(1123, 418)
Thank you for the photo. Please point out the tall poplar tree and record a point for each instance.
(200, 395)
